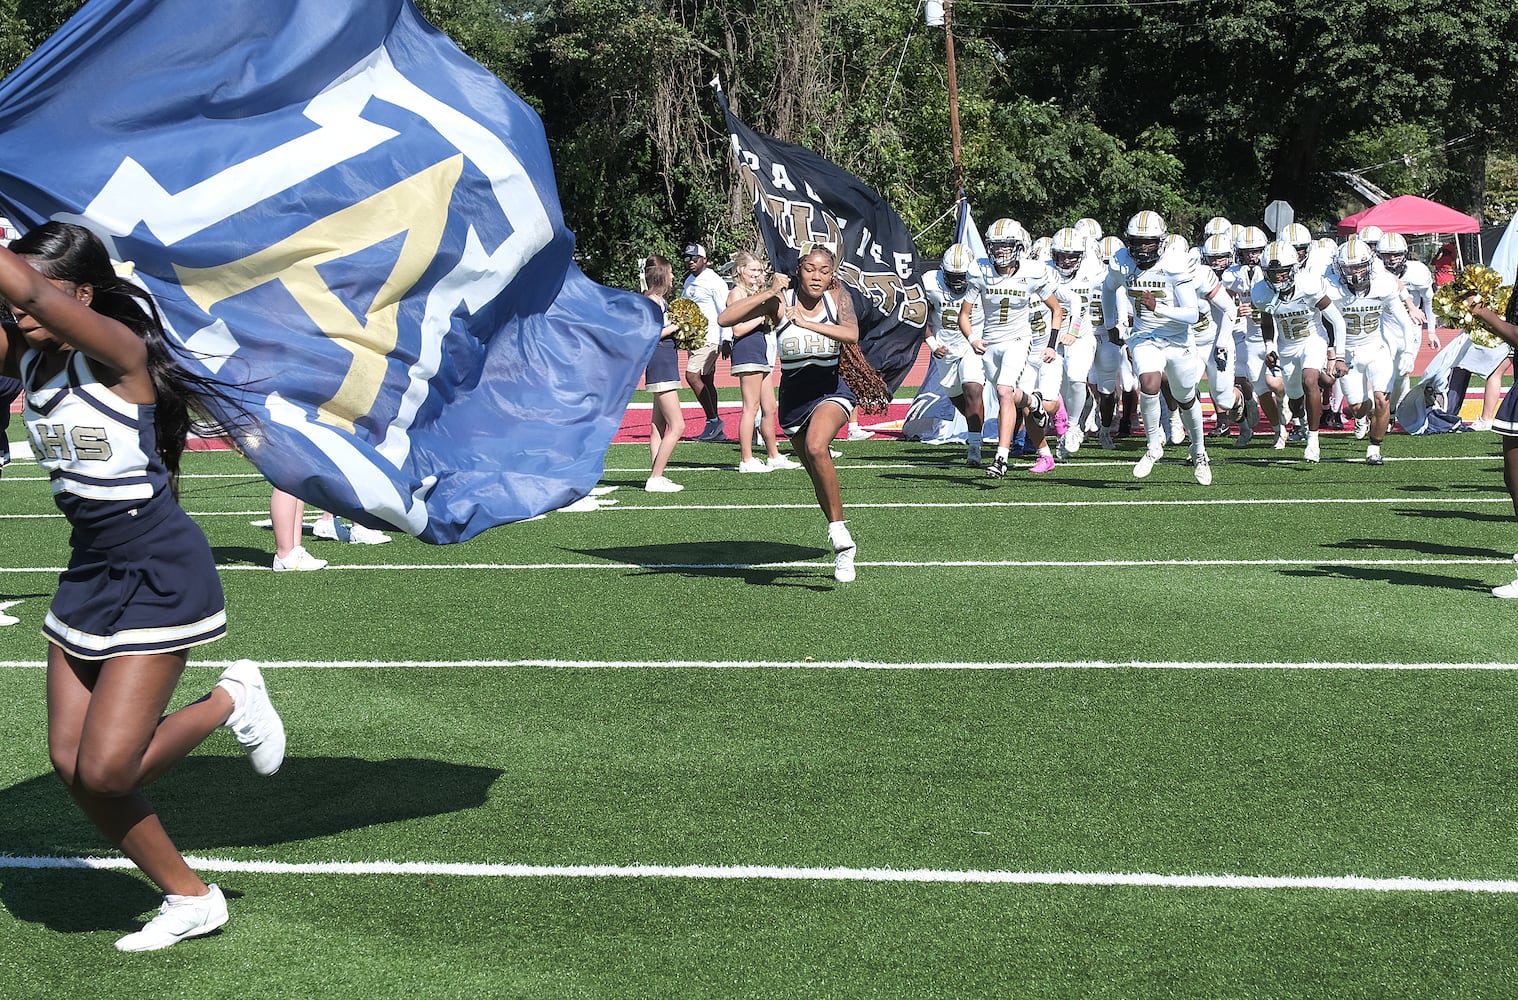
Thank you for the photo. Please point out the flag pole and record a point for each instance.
(948, 34)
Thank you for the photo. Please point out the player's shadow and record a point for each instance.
(241, 555)
(1409, 545)
(1443, 583)
(1502, 515)
(752, 562)
(212, 803)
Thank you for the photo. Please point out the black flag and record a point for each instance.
(801, 198)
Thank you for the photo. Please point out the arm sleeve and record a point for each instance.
(1334, 320)
(1185, 308)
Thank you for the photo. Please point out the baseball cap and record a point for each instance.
(694, 250)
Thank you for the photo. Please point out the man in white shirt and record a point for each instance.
(706, 289)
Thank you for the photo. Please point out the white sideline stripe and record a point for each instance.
(1335, 883)
(892, 564)
(949, 505)
(816, 665)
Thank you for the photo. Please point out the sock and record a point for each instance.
(1002, 454)
(1043, 450)
(1373, 451)
(1154, 431)
(1192, 418)
(1312, 437)
(239, 693)
(838, 534)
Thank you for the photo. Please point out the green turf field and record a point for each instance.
(1066, 736)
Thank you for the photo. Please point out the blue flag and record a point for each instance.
(799, 198)
(354, 226)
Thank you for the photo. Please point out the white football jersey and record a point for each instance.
(1296, 313)
(943, 313)
(1008, 301)
(1174, 288)
(1373, 317)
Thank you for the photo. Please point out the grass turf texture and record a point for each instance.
(1241, 771)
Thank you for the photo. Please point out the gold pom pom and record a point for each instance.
(1486, 286)
(692, 322)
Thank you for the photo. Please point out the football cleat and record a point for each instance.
(997, 469)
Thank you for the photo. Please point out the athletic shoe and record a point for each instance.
(1374, 459)
(752, 465)
(1220, 430)
(1175, 429)
(1202, 469)
(857, 433)
(997, 469)
(714, 431)
(1311, 452)
(1298, 432)
(843, 563)
(1481, 425)
(1045, 463)
(781, 462)
(1037, 415)
(1246, 434)
(661, 484)
(1280, 442)
(1362, 428)
(1072, 439)
(1145, 465)
(328, 528)
(253, 721)
(360, 535)
(972, 458)
(1507, 589)
(834, 453)
(179, 917)
(299, 560)
(1104, 438)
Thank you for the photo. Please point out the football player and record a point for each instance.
(1374, 317)
(1161, 289)
(964, 370)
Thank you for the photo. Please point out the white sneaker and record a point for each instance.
(360, 535)
(661, 484)
(1280, 442)
(1202, 469)
(1072, 439)
(178, 918)
(843, 563)
(1481, 425)
(834, 453)
(781, 462)
(1507, 589)
(753, 465)
(253, 721)
(1175, 430)
(299, 560)
(1362, 428)
(326, 527)
(1310, 453)
(857, 433)
(1145, 465)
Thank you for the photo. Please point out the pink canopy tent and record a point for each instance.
(1410, 214)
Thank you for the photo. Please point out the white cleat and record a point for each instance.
(843, 563)
(1145, 465)
(1507, 589)
(1310, 453)
(1202, 469)
(179, 918)
(1362, 428)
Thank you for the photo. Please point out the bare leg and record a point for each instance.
(288, 514)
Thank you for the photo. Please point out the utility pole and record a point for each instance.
(936, 14)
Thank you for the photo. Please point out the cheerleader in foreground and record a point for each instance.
(108, 411)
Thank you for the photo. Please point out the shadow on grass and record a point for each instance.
(1409, 545)
(242, 555)
(1397, 577)
(209, 803)
(751, 562)
(1504, 516)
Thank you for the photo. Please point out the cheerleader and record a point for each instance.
(662, 379)
(812, 323)
(108, 411)
(752, 362)
(1506, 421)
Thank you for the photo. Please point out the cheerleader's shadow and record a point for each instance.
(210, 803)
(762, 563)
(242, 555)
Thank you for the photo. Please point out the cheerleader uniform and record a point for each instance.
(663, 372)
(142, 578)
(809, 373)
(753, 353)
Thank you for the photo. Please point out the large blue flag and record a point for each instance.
(356, 227)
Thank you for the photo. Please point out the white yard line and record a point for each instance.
(1330, 883)
(818, 665)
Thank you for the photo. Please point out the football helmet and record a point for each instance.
(957, 261)
(1215, 225)
(1107, 247)
(1006, 241)
(1371, 237)
(1249, 247)
(1280, 262)
(1217, 252)
(1300, 237)
(1393, 253)
(1353, 264)
(1040, 248)
(1067, 250)
(1326, 245)
(1090, 228)
(1146, 238)
(1176, 243)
